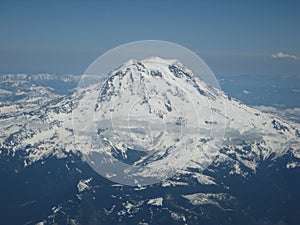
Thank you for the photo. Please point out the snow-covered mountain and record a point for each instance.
(152, 117)
(171, 119)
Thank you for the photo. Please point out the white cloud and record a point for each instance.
(289, 113)
(281, 55)
(246, 92)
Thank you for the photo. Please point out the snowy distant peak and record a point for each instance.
(39, 77)
(152, 59)
(154, 76)
(162, 73)
(152, 64)
(170, 62)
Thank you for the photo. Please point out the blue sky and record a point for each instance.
(233, 37)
